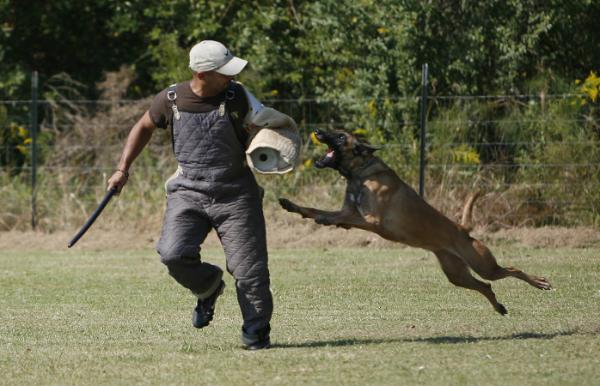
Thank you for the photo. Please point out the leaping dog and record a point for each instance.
(377, 200)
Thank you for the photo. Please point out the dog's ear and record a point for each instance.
(362, 148)
(365, 146)
(369, 147)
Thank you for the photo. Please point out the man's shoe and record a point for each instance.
(205, 309)
(258, 340)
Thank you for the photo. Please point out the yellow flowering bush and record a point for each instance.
(590, 88)
(465, 154)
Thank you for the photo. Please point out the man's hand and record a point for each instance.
(118, 180)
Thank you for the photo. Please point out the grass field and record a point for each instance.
(351, 317)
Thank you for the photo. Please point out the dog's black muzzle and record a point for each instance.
(333, 142)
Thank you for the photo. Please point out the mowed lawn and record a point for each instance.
(342, 317)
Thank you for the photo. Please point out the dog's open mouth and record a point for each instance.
(329, 159)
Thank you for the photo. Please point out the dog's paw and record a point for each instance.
(542, 283)
(322, 220)
(288, 205)
(501, 309)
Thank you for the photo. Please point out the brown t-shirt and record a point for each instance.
(161, 112)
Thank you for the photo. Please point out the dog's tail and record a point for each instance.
(467, 214)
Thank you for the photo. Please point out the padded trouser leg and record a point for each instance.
(241, 228)
(185, 227)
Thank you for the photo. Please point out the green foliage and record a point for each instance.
(14, 143)
(540, 153)
(329, 49)
(466, 40)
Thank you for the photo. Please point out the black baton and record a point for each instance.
(93, 217)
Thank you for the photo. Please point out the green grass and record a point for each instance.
(357, 316)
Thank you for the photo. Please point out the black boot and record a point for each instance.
(258, 340)
(205, 309)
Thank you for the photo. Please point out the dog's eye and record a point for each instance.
(341, 138)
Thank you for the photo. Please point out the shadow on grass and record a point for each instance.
(432, 340)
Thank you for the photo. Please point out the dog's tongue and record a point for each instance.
(329, 153)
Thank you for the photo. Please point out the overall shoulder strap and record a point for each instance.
(172, 97)
(226, 106)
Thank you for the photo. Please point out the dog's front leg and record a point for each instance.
(345, 218)
(320, 216)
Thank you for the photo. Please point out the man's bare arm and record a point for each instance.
(138, 138)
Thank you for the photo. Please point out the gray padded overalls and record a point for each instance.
(216, 190)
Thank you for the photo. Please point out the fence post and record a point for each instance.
(424, 90)
(33, 128)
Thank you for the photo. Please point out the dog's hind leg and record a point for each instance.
(458, 273)
(482, 261)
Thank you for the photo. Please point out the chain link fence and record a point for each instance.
(535, 158)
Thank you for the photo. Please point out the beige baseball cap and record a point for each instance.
(210, 55)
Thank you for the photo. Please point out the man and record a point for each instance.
(212, 188)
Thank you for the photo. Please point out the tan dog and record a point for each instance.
(377, 200)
